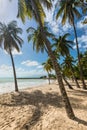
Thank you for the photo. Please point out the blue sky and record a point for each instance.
(28, 62)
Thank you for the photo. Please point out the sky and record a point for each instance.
(28, 62)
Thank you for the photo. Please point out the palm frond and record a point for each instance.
(47, 3)
(30, 29)
(76, 13)
(30, 37)
(64, 15)
(66, 35)
(60, 11)
(21, 10)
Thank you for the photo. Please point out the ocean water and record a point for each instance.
(7, 84)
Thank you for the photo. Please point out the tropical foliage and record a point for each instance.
(48, 67)
(69, 10)
(33, 9)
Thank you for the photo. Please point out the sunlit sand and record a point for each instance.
(42, 108)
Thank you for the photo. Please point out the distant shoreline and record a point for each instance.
(37, 78)
(31, 78)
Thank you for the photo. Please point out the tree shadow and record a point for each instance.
(79, 92)
(35, 98)
(80, 121)
(34, 119)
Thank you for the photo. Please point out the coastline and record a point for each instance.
(42, 108)
(8, 86)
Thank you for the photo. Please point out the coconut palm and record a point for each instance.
(36, 36)
(9, 40)
(69, 11)
(63, 46)
(48, 67)
(34, 9)
(69, 63)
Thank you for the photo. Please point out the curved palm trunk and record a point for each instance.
(68, 107)
(70, 87)
(80, 66)
(56, 66)
(15, 80)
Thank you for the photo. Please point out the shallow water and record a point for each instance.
(7, 84)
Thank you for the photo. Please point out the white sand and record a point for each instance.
(41, 108)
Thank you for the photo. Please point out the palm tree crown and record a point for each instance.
(69, 11)
(9, 38)
(36, 36)
(63, 45)
(28, 8)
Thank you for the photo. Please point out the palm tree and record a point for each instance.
(10, 40)
(62, 46)
(68, 63)
(33, 8)
(69, 11)
(48, 67)
(36, 36)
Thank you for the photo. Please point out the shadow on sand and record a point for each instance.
(80, 121)
(39, 99)
(35, 98)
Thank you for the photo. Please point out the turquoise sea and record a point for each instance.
(7, 84)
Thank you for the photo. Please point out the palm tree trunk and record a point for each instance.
(70, 87)
(80, 66)
(68, 107)
(15, 79)
(49, 77)
(77, 84)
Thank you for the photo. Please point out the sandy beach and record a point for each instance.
(42, 108)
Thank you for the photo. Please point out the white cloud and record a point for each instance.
(15, 52)
(8, 10)
(80, 25)
(7, 71)
(5, 67)
(31, 73)
(82, 42)
(54, 24)
(30, 63)
(39, 67)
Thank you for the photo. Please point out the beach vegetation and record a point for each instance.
(68, 10)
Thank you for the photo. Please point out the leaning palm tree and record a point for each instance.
(69, 11)
(34, 9)
(9, 40)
